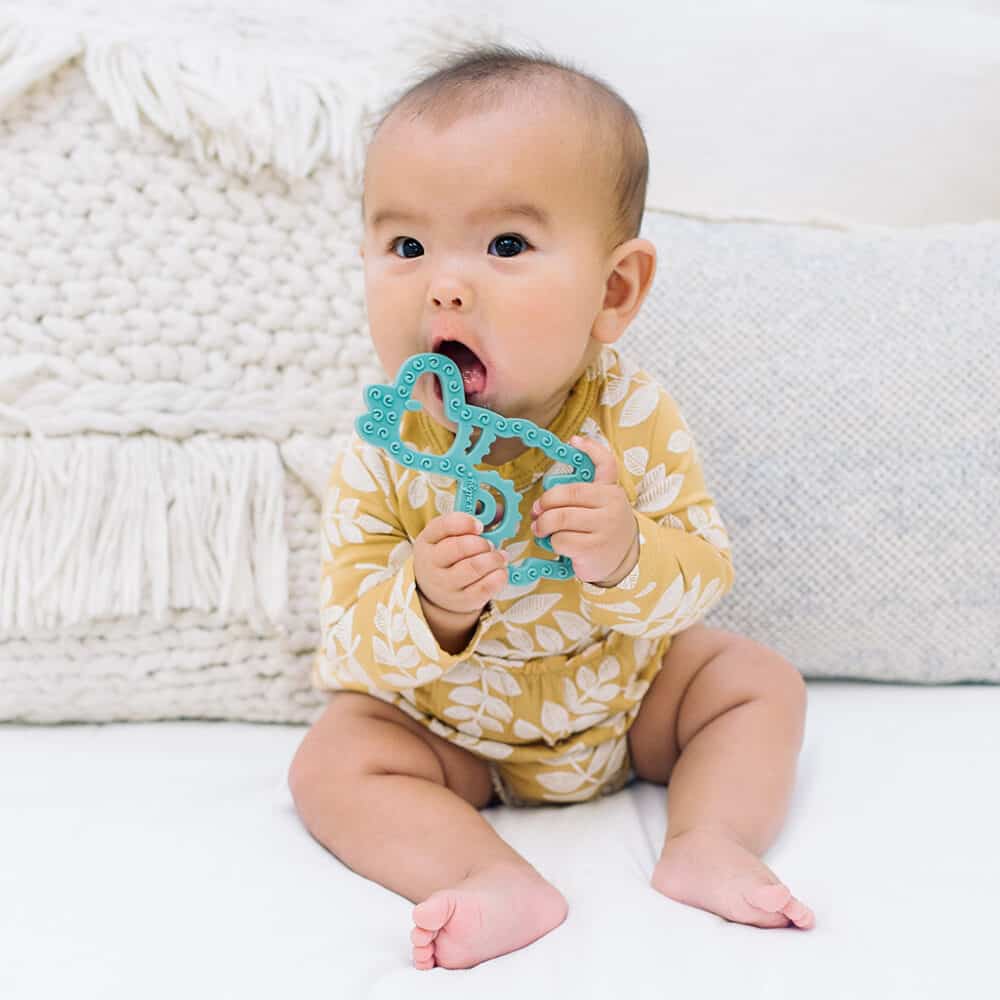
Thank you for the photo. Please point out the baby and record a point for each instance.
(502, 206)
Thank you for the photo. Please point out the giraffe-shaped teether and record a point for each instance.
(381, 425)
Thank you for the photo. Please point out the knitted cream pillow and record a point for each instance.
(843, 387)
(182, 341)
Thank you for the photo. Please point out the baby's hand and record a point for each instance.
(455, 568)
(591, 523)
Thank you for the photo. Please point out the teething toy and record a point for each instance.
(381, 423)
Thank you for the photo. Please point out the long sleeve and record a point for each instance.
(373, 633)
(685, 564)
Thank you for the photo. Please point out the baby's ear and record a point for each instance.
(633, 264)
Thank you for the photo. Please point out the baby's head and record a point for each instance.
(502, 205)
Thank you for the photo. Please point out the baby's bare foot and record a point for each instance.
(492, 912)
(714, 872)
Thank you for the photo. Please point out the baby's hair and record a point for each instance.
(481, 77)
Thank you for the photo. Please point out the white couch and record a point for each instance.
(160, 859)
(165, 860)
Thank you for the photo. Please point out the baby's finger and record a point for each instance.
(454, 548)
(455, 522)
(470, 571)
(484, 588)
(605, 464)
(572, 544)
(594, 495)
(566, 519)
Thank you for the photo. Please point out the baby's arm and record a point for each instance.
(375, 631)
(684, 564)
(453, 630)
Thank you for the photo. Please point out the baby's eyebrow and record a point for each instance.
(523, 209)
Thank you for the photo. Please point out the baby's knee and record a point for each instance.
(780, 679)
(780, 685)
(763, 672)
(304, 772)
(359, 735)
(321, 752)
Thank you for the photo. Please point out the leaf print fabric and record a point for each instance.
(554, 674)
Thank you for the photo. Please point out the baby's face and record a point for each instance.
(487, 232)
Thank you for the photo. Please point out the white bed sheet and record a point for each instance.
(166, 860)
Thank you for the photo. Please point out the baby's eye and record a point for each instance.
(409, 244)
(509, 244)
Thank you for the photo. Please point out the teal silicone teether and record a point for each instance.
(381, 424)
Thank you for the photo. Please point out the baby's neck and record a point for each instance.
(504, 450)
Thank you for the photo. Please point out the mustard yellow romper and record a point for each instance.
(550, 682)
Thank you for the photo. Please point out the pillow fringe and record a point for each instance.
(97, 526)
(29, 54)
(234, 99)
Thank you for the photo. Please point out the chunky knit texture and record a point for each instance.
(182, 340)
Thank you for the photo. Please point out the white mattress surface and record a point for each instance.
(166, 860)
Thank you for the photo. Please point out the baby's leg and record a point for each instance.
(399, 805)
(723, 722)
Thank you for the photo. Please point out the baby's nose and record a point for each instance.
(448, 291)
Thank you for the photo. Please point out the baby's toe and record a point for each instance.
(799, 914)
(778, 901)
(768, 897)
(421, 936)
(423, 956)
(435, 911)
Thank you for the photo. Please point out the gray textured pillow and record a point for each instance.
(843, 390)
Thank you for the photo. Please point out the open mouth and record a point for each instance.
(469, 364)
